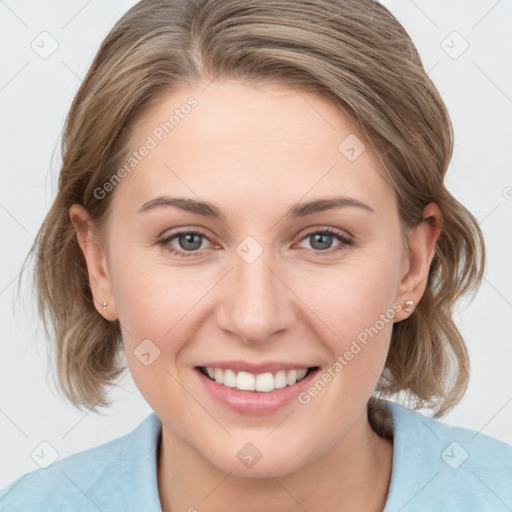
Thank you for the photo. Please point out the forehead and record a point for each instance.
(234, 142)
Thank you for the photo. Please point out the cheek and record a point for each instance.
(355, 305)
(152, 297)
(159, 309)
(155, 304)
(353, 296)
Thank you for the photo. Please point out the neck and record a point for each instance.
(354, 475)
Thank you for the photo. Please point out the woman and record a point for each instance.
(251, 209)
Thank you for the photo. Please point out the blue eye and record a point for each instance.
(190, 243)
(323, 239)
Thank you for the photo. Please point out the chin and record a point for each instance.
(260, 459)
(275, 466)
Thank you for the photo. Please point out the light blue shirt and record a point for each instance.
(435, 468)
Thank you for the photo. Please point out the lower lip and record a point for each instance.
(255, 403)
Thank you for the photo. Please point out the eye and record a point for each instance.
(185, 244)
(188, 243)
(322, 240)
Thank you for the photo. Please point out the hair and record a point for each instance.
(352, 52)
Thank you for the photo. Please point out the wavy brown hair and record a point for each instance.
(353, 52)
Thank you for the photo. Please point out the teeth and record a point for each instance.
(280, 379)
(291, 377)
(219, 376)
(301, 373)
(245, 381)
(263, 382)
(229, 379)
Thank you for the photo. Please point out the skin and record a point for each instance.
(254, 152)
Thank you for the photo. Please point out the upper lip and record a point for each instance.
(255, 368)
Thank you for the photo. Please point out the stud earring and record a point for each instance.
(408, 305)
(105, 306)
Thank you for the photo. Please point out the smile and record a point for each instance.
(262, 382)
(255, 388)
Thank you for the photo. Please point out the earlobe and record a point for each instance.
(421, 250)
(97, 269)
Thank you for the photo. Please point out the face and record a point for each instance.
(255, 287)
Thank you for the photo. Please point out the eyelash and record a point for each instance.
(345, 242)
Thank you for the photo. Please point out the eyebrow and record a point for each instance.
(209, 210)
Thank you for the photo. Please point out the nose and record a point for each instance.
(256, 305)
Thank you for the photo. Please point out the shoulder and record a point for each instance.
(100, 478)
(442, 467)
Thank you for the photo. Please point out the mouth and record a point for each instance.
(255, 390)
(265, 382)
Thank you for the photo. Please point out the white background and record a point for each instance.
(35, 95)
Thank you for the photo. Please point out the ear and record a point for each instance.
(421, 249)
(94, 253)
